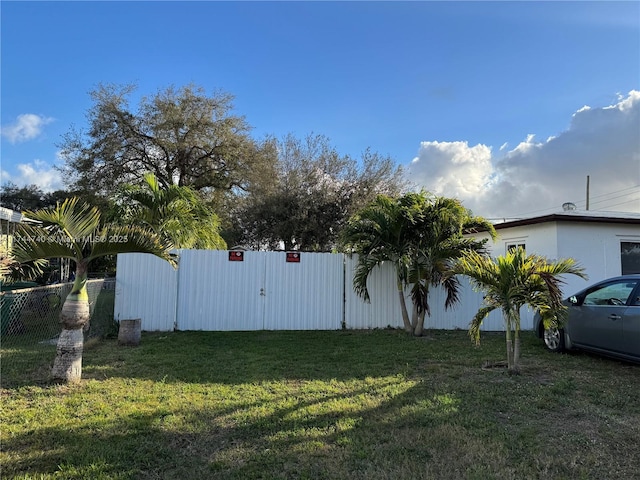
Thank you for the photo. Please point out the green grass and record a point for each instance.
(324, 405)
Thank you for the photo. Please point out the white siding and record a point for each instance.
(384, 309)
(216, 294)
(305, 295)
(595, 246)
(596, 249)
(146, 289)
(264, 292)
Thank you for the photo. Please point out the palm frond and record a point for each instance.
(476, 322)
(452, 286)
(12, 270)
(114, 239)
(71, 218)
(420, 297)
(33, 242)
(177, 213)
(481, 270)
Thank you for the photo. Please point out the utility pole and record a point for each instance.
(587, 193)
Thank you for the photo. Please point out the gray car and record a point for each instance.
(603, 318)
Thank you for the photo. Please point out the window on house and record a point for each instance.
(630, 257)
(512, 246)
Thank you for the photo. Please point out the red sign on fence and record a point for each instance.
(236, 256)
(293, 257)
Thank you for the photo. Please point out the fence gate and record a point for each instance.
(217, 294)
(219, 290)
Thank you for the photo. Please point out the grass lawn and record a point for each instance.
(324, 405)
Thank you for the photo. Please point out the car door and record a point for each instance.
(597, 320)
(631, 325)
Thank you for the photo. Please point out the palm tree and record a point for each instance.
(175, 212)
(381, 233)
(72, 230)
(512, 281)
(420, 235)
(440, 240)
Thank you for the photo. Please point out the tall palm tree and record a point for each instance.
(512, 281)
(381, 233)
(440, 240)
(175, 212)
(74, 231)
(420, 235)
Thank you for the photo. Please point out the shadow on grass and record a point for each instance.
(375, 431)
(250, 357)
(381, 428)
(332, 405)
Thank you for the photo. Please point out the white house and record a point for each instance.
(606, 244)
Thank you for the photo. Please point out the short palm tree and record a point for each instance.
(175, 212)
(511, 282)
(72, 230)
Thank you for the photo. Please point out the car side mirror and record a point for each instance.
(573, 300)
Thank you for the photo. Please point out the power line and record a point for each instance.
(582, 203)
(606, 200)
(624, 203)
(613, 193)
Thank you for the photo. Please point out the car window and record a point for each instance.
(611, 294)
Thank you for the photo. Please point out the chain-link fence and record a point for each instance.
(29, 326)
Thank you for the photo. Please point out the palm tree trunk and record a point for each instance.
(67, 366)
(507, 327)
(419, 328)
(414, 317)
(403, 306)
(513, 343)
(516, 345)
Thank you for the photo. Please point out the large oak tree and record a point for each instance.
(183, 136)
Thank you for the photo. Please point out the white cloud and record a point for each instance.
(452, 168)
(38, 173)
(538, 177)
(26, 127)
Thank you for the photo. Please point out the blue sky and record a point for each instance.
(483, 101)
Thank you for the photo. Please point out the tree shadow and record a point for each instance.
(377, 420)
(363, 433)
(245, 358)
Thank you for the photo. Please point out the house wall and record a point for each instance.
(595, 246)
(541, 238)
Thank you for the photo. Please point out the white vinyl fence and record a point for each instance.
(215, 290)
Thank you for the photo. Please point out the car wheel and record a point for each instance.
(554, 339)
